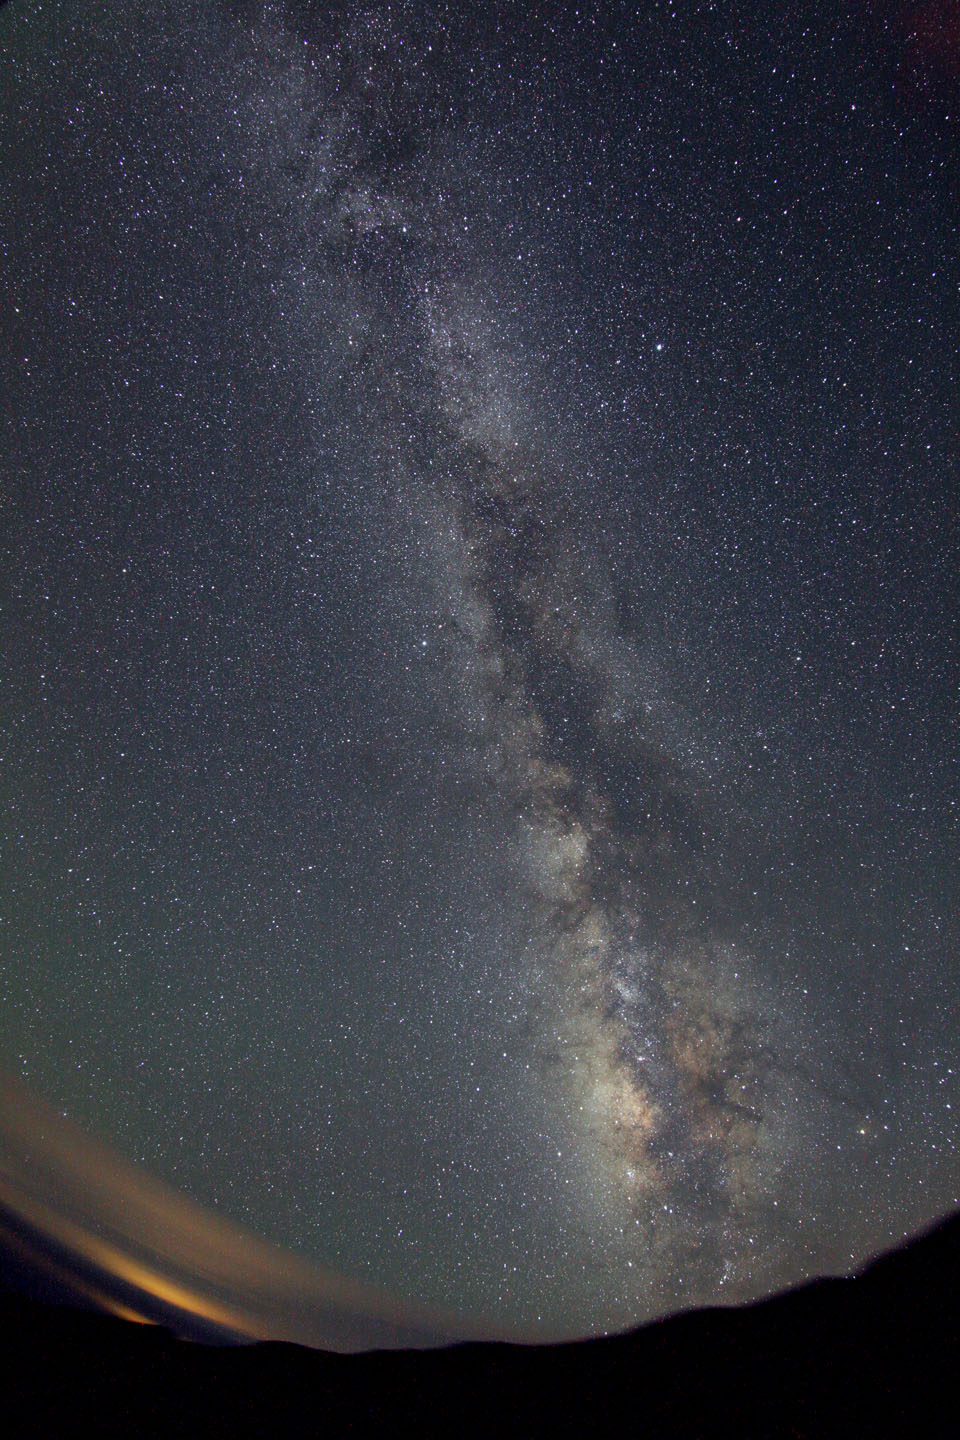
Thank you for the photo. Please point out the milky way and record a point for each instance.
(478, 774)
(650, 1022)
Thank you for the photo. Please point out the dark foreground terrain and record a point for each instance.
(878, 1354)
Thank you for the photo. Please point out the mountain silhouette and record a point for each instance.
(873, 1354)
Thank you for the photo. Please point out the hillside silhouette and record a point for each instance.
(873, 1354)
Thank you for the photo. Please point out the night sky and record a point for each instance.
(478, 629)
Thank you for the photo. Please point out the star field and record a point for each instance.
(478, 584)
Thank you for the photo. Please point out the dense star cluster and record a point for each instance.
(478, 630)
